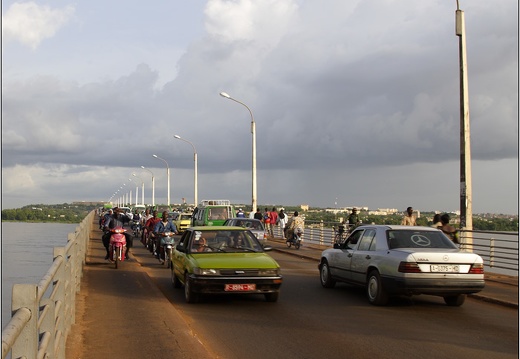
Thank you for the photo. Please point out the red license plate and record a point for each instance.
(239, 287)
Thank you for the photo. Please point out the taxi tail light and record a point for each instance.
(476, 268)
(409, 267)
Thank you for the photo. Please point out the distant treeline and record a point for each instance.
(63, 213)
(74, 213)
(500, 223)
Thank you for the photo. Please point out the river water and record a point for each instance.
(27, 251)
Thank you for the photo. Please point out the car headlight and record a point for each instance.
(204, 271)
(269, 272)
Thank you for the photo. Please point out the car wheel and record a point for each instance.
(455, 300)
(189, 295)
(271, 297)
(375, 291)
(325, 278)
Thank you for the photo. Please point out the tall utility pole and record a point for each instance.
(466, 208)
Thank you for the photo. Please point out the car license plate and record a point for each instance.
(239, 287)
(444, 268)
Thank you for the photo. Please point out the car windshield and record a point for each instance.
(249, 224)
(418, 239)
(224, 241)
(185, 217)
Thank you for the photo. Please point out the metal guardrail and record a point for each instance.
(497, 249)
(43, 314)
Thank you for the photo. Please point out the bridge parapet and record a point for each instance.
(43, 314)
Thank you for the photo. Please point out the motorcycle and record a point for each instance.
(149, 240)
(167, 243)
(296, 238)
(136, 228)
(117, 245)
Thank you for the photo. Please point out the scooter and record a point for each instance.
(117, 245)
(296, 239)
(136, 228)
(167, 242)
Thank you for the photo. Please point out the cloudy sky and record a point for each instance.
(356, 103)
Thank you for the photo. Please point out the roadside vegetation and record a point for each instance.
(74, 213)
(56, 213)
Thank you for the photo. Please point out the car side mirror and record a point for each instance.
(337, 246)
(180, 248)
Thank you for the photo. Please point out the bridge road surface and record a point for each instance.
(121, 313)
(252, 328)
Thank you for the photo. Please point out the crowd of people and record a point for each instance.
(440, 221)
(154, 226)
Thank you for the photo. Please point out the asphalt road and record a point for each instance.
(312, 322)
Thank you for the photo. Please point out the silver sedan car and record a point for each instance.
(402, 260)
(254, 225)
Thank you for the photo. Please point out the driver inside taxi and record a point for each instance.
(238, 240)
(199, 245)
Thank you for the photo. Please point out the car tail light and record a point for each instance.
(476, 268)
(409, 267)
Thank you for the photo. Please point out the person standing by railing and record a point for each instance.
(449, 230)
(274, 220)
(409, 219)
(282, 221)
(353, 219)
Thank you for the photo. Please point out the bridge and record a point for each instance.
(95, 311)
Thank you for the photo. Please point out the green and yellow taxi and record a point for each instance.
(224, 260)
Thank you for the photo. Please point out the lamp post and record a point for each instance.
(195, 195)
(466, 206)
(253, 154)
(153, 185)
(125, 196)
(142, 191)
(136, 192)
(167, 175)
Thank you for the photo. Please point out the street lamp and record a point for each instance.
(466, 206)
(253, 133)
(195, 198)
(136, 192)
(153, 185)
(167, 175)
(142, 192)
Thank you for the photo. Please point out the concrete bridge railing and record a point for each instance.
(42, 314)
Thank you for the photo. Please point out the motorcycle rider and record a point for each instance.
(150, 225)
(144, 218)
(295, 222)
(103, 219)
(136, 219)
(163, 225)
(115, 220)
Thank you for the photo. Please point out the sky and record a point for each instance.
(356, 103)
